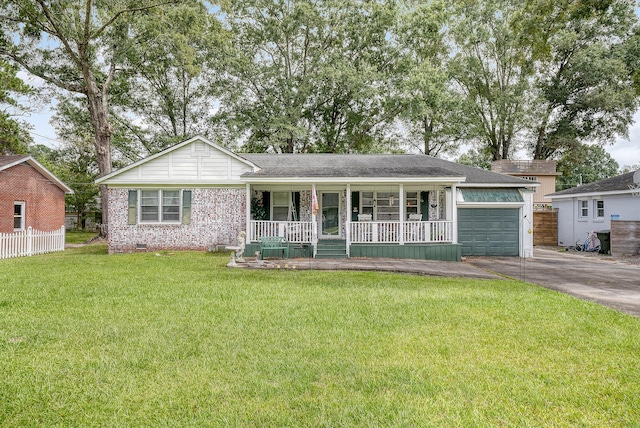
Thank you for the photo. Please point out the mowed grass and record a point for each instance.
(178, 339)
(78, 236)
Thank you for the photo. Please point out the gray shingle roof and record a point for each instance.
(619, 182)
(370, 165)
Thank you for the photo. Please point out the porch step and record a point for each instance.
(331, 249)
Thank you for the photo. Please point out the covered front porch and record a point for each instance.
(367, 220)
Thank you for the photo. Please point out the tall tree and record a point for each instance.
(75, 46)
(173, 63)
(309, 75)
(584, 83)
(492, 68)
(13, 137)
(432, 117)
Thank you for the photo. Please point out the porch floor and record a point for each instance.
(420, 267)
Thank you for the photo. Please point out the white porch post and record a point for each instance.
(453, 198)
(248, 211)
(526, 246)
(348, 222)
(314, 224)
(402, 213)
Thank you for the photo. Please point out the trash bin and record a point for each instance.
(605, 241)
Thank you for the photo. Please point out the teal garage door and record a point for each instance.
(489, 231)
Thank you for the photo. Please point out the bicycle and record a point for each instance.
(589, 244)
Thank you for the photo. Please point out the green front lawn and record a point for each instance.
(178, 339)
(78, 236)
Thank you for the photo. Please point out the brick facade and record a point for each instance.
(217, 217)
(44, 201)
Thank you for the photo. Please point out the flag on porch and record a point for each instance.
(314, 200)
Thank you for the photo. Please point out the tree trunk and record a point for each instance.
(98, 110)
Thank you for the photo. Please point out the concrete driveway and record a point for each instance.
(603, 280)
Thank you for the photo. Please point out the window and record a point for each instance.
(599, 209)
(412, 203)
(284, 206)
(280, 206)
(18, 216)
(387, 206)
(160, 206)
(583, 207)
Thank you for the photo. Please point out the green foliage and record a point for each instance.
(492, 68)
(309, 76)
(480, 158)
(74, 162)
(14, 138)
(585, 164)
(171, 79)
(584, 87)
(177, 339)
(431, 114)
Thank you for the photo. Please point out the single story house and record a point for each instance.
(197, 195)
(30, 196)
(591, 207)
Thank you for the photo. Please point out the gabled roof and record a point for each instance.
(171, 149)
(9, 161)
(398, 166)
(617, 184)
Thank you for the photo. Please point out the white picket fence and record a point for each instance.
(30, 242)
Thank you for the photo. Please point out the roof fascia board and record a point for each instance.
(171, 149)
(516, 185)
(592, 194)
(189, 185)
(358, 180)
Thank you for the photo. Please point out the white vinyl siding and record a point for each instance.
(196, 162)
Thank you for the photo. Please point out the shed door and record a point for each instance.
(489, 231)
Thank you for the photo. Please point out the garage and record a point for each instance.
(489, 231)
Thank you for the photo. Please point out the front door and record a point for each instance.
(330, 220)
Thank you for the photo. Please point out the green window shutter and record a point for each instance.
(132, 213)
(186, 207)
(424, 205)
(296, 204)
(355, 203)
(266, 201)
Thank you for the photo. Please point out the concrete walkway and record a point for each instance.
(420, 267)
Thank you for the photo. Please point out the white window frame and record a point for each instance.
(283, 206)
(22, 215)
(597, 210)
(583, 209)
(161, 198)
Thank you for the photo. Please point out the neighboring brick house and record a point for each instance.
(198, 195)
(30, 196)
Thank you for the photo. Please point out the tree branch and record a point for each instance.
(100, 30)
(59, 33)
